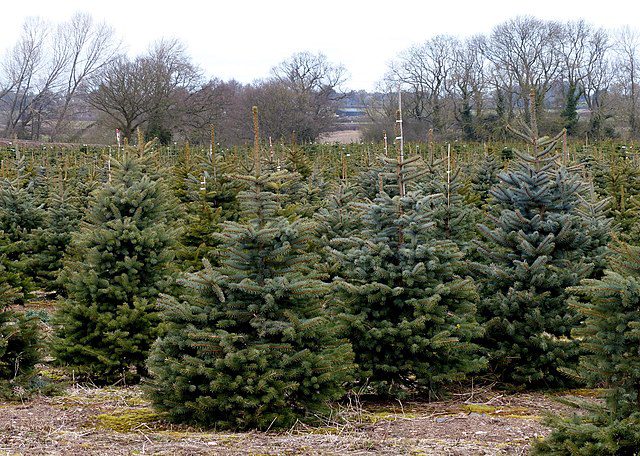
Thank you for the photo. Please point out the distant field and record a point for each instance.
(342, 137)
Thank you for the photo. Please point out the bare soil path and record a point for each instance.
(120, 421)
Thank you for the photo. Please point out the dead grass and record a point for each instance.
(119, 421)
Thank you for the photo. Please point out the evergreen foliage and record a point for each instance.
(484, 178)
(297, 161)
(209, 196)
(599, 227)
(121, 261)
(19, 348)
(610, 336)
(20, 218)
(452, 217)
(312, 195)
(622, 185)
(250, 345)
(538, 247)
(335, 222)
(19, 341)
(569, 114)
(8, 294)
(410, 315)
(53, 240)
(198, 240)
(183, 175)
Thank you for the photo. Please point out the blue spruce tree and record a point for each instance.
(538, 246)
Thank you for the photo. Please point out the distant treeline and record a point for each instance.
(71, 82)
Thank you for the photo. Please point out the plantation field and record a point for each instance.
(320, 298)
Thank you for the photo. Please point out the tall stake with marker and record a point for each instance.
(212, 153)
(400, 137)
(449, 176)
(386, 145)
(108, 166)
(256, 142)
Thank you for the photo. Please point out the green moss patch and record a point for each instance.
(128, 420)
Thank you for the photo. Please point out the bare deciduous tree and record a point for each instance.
(309, 85)
(582, 49)
(30, 74)
(468, 85)
(151, 90)
(527, 49)
(628, 60)
(425, 69)
(90, 46)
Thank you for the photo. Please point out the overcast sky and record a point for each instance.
(243, 39)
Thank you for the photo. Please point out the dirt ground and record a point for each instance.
(120, 421)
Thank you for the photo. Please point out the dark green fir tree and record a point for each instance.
(121, 260)
(610, 336)
(621, 181)
(599, 228)
(454, 219)
(63, 216)
(201, 223)
(410, 313)
(20, 218)
(19, 339)
(182, 175)
(209, 198)
(484, 177)
(251, 345)
(312, 195)
(569, 114)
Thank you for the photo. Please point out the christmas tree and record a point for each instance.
(484, 178)
(336, 223)
(53, 240)
(296, 159)
(538, 247)
(453, 218)
(620, 180)
(209, 198)
(20, 218)
(120, 263)
(594, 211)
(610, 337)
(182, 175)
(251, 345)
(19, 342)
(312, 195)
(410, 315)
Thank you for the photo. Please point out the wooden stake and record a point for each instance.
(449, 176)
(256, 142)
(344, 166)
(270, 150)
(108, 167)
(212, 153)
(430, 145)
(386, 145)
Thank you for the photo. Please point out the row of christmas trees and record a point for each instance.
(385, 284)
